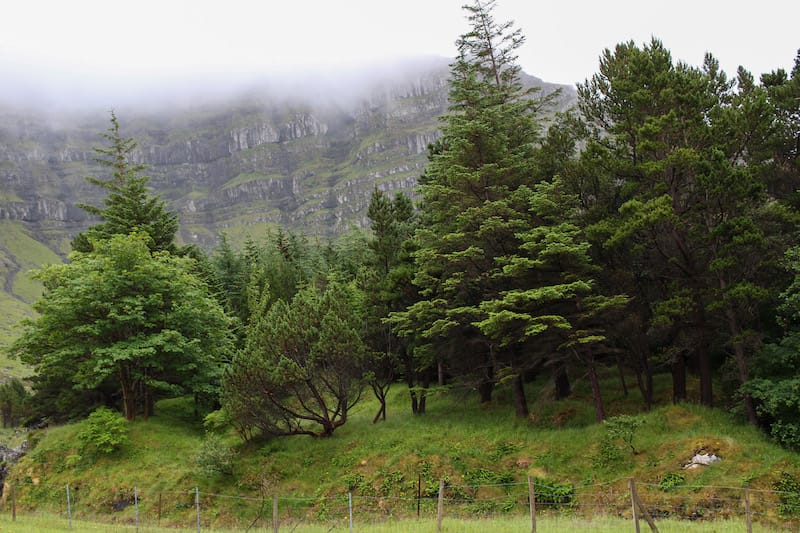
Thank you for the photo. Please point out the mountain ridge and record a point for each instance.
(283, 153)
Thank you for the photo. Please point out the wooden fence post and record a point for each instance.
(13, 503)
(637, 504)
(440, 508)
(747, 515)
(532, 503)
(634, 507)
(275, 521)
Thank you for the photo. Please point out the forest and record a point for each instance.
(652, 229)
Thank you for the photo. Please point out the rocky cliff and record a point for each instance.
(295, 157)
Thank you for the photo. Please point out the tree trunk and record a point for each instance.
(703, 356)
(380, 394)
(741, 364)
(599, 409)
(409, 366)
(621, 370)
(561, 381)
(520, 402)
(644, 378)
(679, 379)
(128, 394)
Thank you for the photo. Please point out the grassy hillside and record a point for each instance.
(471, 446)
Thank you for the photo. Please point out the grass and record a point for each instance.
(51, 524)
(457, 439)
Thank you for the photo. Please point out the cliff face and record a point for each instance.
(263, 158)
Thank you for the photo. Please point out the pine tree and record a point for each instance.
(481, 217)
(129, 206)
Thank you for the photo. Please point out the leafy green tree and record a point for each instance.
(122, 314)
(129, 206)
(303, 363)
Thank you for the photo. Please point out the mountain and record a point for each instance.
(303, 153)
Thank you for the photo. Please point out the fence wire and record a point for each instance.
(202, 510)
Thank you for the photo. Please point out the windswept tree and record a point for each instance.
(301, 370)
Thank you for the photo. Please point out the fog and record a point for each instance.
(94, 54)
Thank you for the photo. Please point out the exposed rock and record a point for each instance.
(9, 457)
(702, 459)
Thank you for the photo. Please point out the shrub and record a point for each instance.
(214, 457)
(623, 427)
(104, 431)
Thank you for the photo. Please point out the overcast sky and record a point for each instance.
(75, 48)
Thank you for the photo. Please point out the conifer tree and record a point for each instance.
(129, 206)
(480, 221)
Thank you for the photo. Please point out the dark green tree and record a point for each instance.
(124, 319)
(303, 363)
(468, 220)
(129, 206)
(677, 206)
(388, 287)
(14, 402)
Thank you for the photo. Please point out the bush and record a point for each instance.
(214, 457)
(104, 431)
(623, 427)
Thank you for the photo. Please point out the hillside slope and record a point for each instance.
(482, 451)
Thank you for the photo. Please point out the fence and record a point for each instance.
(643, 504)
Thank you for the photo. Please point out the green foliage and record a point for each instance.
(214, 457)
(552, 493)
(671, 480)
(789, 488)
(103, 432)
(123, 319)
(303, 362)
(608, 454)
(624, 428)
(14, 402)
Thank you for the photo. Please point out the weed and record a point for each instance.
(670, 481)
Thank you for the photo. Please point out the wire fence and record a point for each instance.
(643, 504)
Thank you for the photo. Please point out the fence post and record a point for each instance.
(197, 506)
(419, 492)
(634, 507)
(350, 508)
(747, 515)
(440, 508)
(136, 506)
(13, 503)
(69, 508)
(638, 505)
(159, 508)
(532, 503)
(275, 522)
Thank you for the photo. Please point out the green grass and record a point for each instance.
(51, 524)
(457, 439)
(247, 177)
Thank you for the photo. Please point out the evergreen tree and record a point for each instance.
(480, 203)
(129, 207)
(682, 220)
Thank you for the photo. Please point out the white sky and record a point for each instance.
(74, 47)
